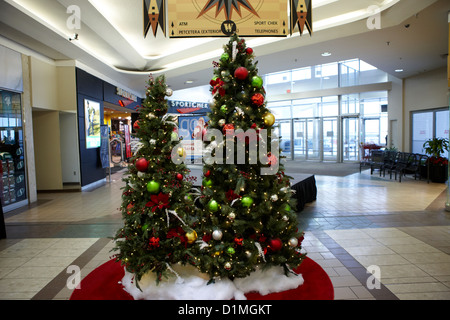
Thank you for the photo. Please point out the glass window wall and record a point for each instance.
(328, 127)
(428, 125)
(350, 104)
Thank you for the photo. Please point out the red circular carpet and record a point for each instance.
(102, 284)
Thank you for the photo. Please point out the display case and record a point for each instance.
(12, 170)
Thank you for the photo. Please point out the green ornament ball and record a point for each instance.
(287, 207)
(257, 82)
(247, 201)
(224, 109)
(153, 187)
(207, 182)
(231, 250)
(174, 136)
(225, 57)
(213, 206)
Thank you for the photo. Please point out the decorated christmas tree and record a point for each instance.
(246, 220)
(156, 208)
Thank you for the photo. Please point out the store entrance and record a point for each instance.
(122, 144)
(350, 138)
(315, 139)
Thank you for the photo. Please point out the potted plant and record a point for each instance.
(438, 165)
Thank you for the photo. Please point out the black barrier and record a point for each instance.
(2, 224)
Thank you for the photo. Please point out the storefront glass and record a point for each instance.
(13, 182)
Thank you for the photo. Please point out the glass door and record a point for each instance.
(284, 132)
(350, 138)
(300, 139)
(313, 139)
(330, 139)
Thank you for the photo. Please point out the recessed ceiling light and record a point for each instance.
(399, 70)
(189, 81)
(326, 54)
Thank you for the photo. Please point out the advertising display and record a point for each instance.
(190, 131)
(104, 149)
(126, 129)
(92, 121)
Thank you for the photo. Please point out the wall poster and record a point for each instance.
(92, 122)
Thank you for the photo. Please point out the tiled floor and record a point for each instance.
(377, 239)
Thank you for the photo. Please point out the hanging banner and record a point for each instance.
(222, 18)
(301, 15)
(154, 16)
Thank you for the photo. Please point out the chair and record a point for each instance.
(413, 165)
(401, 164)
(390, 161)
(365, 160)
(407, 163)
(424, 167)
(377, 161)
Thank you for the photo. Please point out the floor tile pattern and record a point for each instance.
(377, 238)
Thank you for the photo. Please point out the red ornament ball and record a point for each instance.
(179, 176)
(208, 173)
(130, 208)
(136, 125)
(228, 127)
(142, 165)
(275, 244)
(258, 99)
(249, 51)
(273, 160)
(241, 73)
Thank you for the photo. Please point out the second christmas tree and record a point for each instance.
(245, 220)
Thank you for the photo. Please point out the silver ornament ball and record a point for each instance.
(293, 242)
(217, 235)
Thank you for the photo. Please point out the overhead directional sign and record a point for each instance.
(222, 18)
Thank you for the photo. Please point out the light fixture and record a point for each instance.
(399, 70)
(189, 81)
(326, 54)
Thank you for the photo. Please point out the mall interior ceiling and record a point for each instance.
(408, 35)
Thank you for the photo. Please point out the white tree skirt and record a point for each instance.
(192, 285)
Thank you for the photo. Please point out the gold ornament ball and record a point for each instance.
(191, 237)
(181, 152)
(269, 119)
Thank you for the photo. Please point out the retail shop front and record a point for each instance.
(13, 182)
(99, 104)
(192, 119)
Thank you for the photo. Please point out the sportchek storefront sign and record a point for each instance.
(188, 107)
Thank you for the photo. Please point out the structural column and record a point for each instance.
(447, 204)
